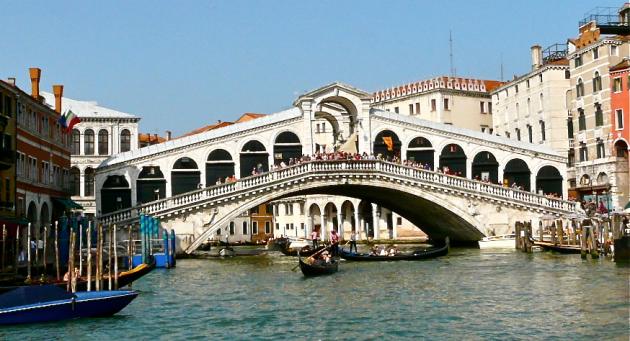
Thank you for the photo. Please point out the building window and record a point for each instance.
(396, 110)
(484, 129)
(581, 120)
(542, 130)
(542, 107)
(88, 141)
(617, 87)
(529, 134)
(578, 61)
(595, 53)
(579, 88)
(103, 141)
(417, 108)
(323, 127)
(89, 182)
(410, 109)
(507, 134)
(76, 142)
(125, 141)
(76, 181)
(317, 128)
(567, 74)
(254, 227)
(571, 158)
(244, 228)
(516, 88)
(490, 108)
(540, 77)
(583, 152)
(433, 105)
(446, 107)
(619, 117)
(267, 227)
(482, 106)
(601, 152)
(277, 226)
(527, 83)
(597, 82)
(302, 226)
(518, 133)
(231, 228)
(599, 115)
(613, 50)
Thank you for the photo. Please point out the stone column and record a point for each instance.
(500, 175)
(322, 229)
(394, 229)
(436, 160)
(340, 224)
(82, 182)
(357, 223)
(469, 168)
(532, 183)
(375, 221)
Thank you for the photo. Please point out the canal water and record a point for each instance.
(467, 295)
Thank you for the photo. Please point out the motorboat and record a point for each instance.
(505, 241)
(46, 303)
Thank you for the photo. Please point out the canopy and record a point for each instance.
(68, 203)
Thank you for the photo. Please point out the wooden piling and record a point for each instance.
(560, 229)
(28, 253)
(130, 249)
(115, 260)
(109, 258)
(89, 256)
(97, 282)
(57, 250)
(4, 239)
(45, 247)
(80, 249)
(69, 286)
(552, 229)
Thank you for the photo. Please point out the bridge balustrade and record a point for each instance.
(328, 167)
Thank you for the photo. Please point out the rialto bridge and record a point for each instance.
(176, 180)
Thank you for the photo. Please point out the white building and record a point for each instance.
(103, 132)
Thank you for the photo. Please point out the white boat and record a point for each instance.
(505, 241)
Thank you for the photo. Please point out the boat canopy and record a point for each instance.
(33, 294)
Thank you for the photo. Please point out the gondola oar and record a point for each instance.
(311, 256)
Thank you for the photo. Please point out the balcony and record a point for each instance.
(608, 20)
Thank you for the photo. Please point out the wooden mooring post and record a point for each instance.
(523, 236)
(588, 240)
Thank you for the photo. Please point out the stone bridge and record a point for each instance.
(443, 205)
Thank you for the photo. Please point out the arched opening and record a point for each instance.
(485, 167)
(151, 185)
(453, 160)
(602, 179)
(75, 178)
(89, 182)
(315, 214)
(421, 150)
(366, 220)
(103, 142)
(287, 146)
(185, 176)
(331, 218)
(31, 213)
(115, 194)
(125, 141)
(253, 156)
(326, 128)
(88, 142)
(219, 166)
(621, 149)
(549, 181)
(44, 215)
(517, 174)
(347, 223)
(387, 144)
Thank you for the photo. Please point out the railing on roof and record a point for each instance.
(607, 19)
(555, 52)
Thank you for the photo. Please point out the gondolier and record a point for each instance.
(353, 240)
(334, 239)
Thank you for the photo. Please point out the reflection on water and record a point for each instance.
(469, 294)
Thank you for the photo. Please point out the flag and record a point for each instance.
(389, 143)
(68, 120)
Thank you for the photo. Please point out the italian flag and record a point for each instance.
(68, 120)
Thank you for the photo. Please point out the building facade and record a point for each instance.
(595, 172)
(620, 103)
(533, 107)
(43, 156)
(462, 102)
(102, 132)
(8, 105)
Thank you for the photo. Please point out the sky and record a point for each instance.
(181, 65)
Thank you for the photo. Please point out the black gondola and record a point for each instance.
(549, 246)
(314, 267)
(416, 255)
(305, 251)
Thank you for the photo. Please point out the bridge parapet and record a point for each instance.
(342, 168)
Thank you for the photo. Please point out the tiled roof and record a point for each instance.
(153, 138)
(624, 64)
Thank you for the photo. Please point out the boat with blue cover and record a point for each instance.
(46, 303)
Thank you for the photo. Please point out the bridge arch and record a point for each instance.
(115, 194)
(315, 217)
(453, 160)
(150, 185)
(253, 154)
(420, 149)
(387, 143)
(286, 146)
(485, 167)
(348, 223)
(517, 172)
(219, 166)
(549, 181)
(185, 176)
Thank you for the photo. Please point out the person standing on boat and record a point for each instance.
(334, 239)
(314, 239)
(353, 240)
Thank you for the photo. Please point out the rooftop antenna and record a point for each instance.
(450, 44)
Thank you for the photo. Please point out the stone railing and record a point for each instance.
(341, 167)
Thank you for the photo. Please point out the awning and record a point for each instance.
(68, 203)
(350, 146)
(627, 206)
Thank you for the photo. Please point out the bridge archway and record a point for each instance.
(315, 216)
(348, 223)
(253, 155)
(31, 213)
(453, 160)
(517, 172)
(549, 181)
(367, 221)
(115, 194)
(485, 167)
(331, 222)
(285, 147)
(421, 150)
(185, 176)
(150, 185)
(387, 144)
(219, 165)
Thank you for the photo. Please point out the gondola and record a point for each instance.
(416, 255)
(312, 267)
(549, 246)
(305, 251)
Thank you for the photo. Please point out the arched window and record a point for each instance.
(103, 141)
(125, 141)
(88, 137)
(579, 88)
(597, 82)
(75, 176)
(89, 182)
(76, 142)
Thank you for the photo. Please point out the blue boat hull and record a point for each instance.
(86, 304)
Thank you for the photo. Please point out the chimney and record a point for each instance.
(168, 135)
(58, 91)
(11, 81)
(35, 74)
(536, 57)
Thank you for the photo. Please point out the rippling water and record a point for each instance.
(469, 294)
